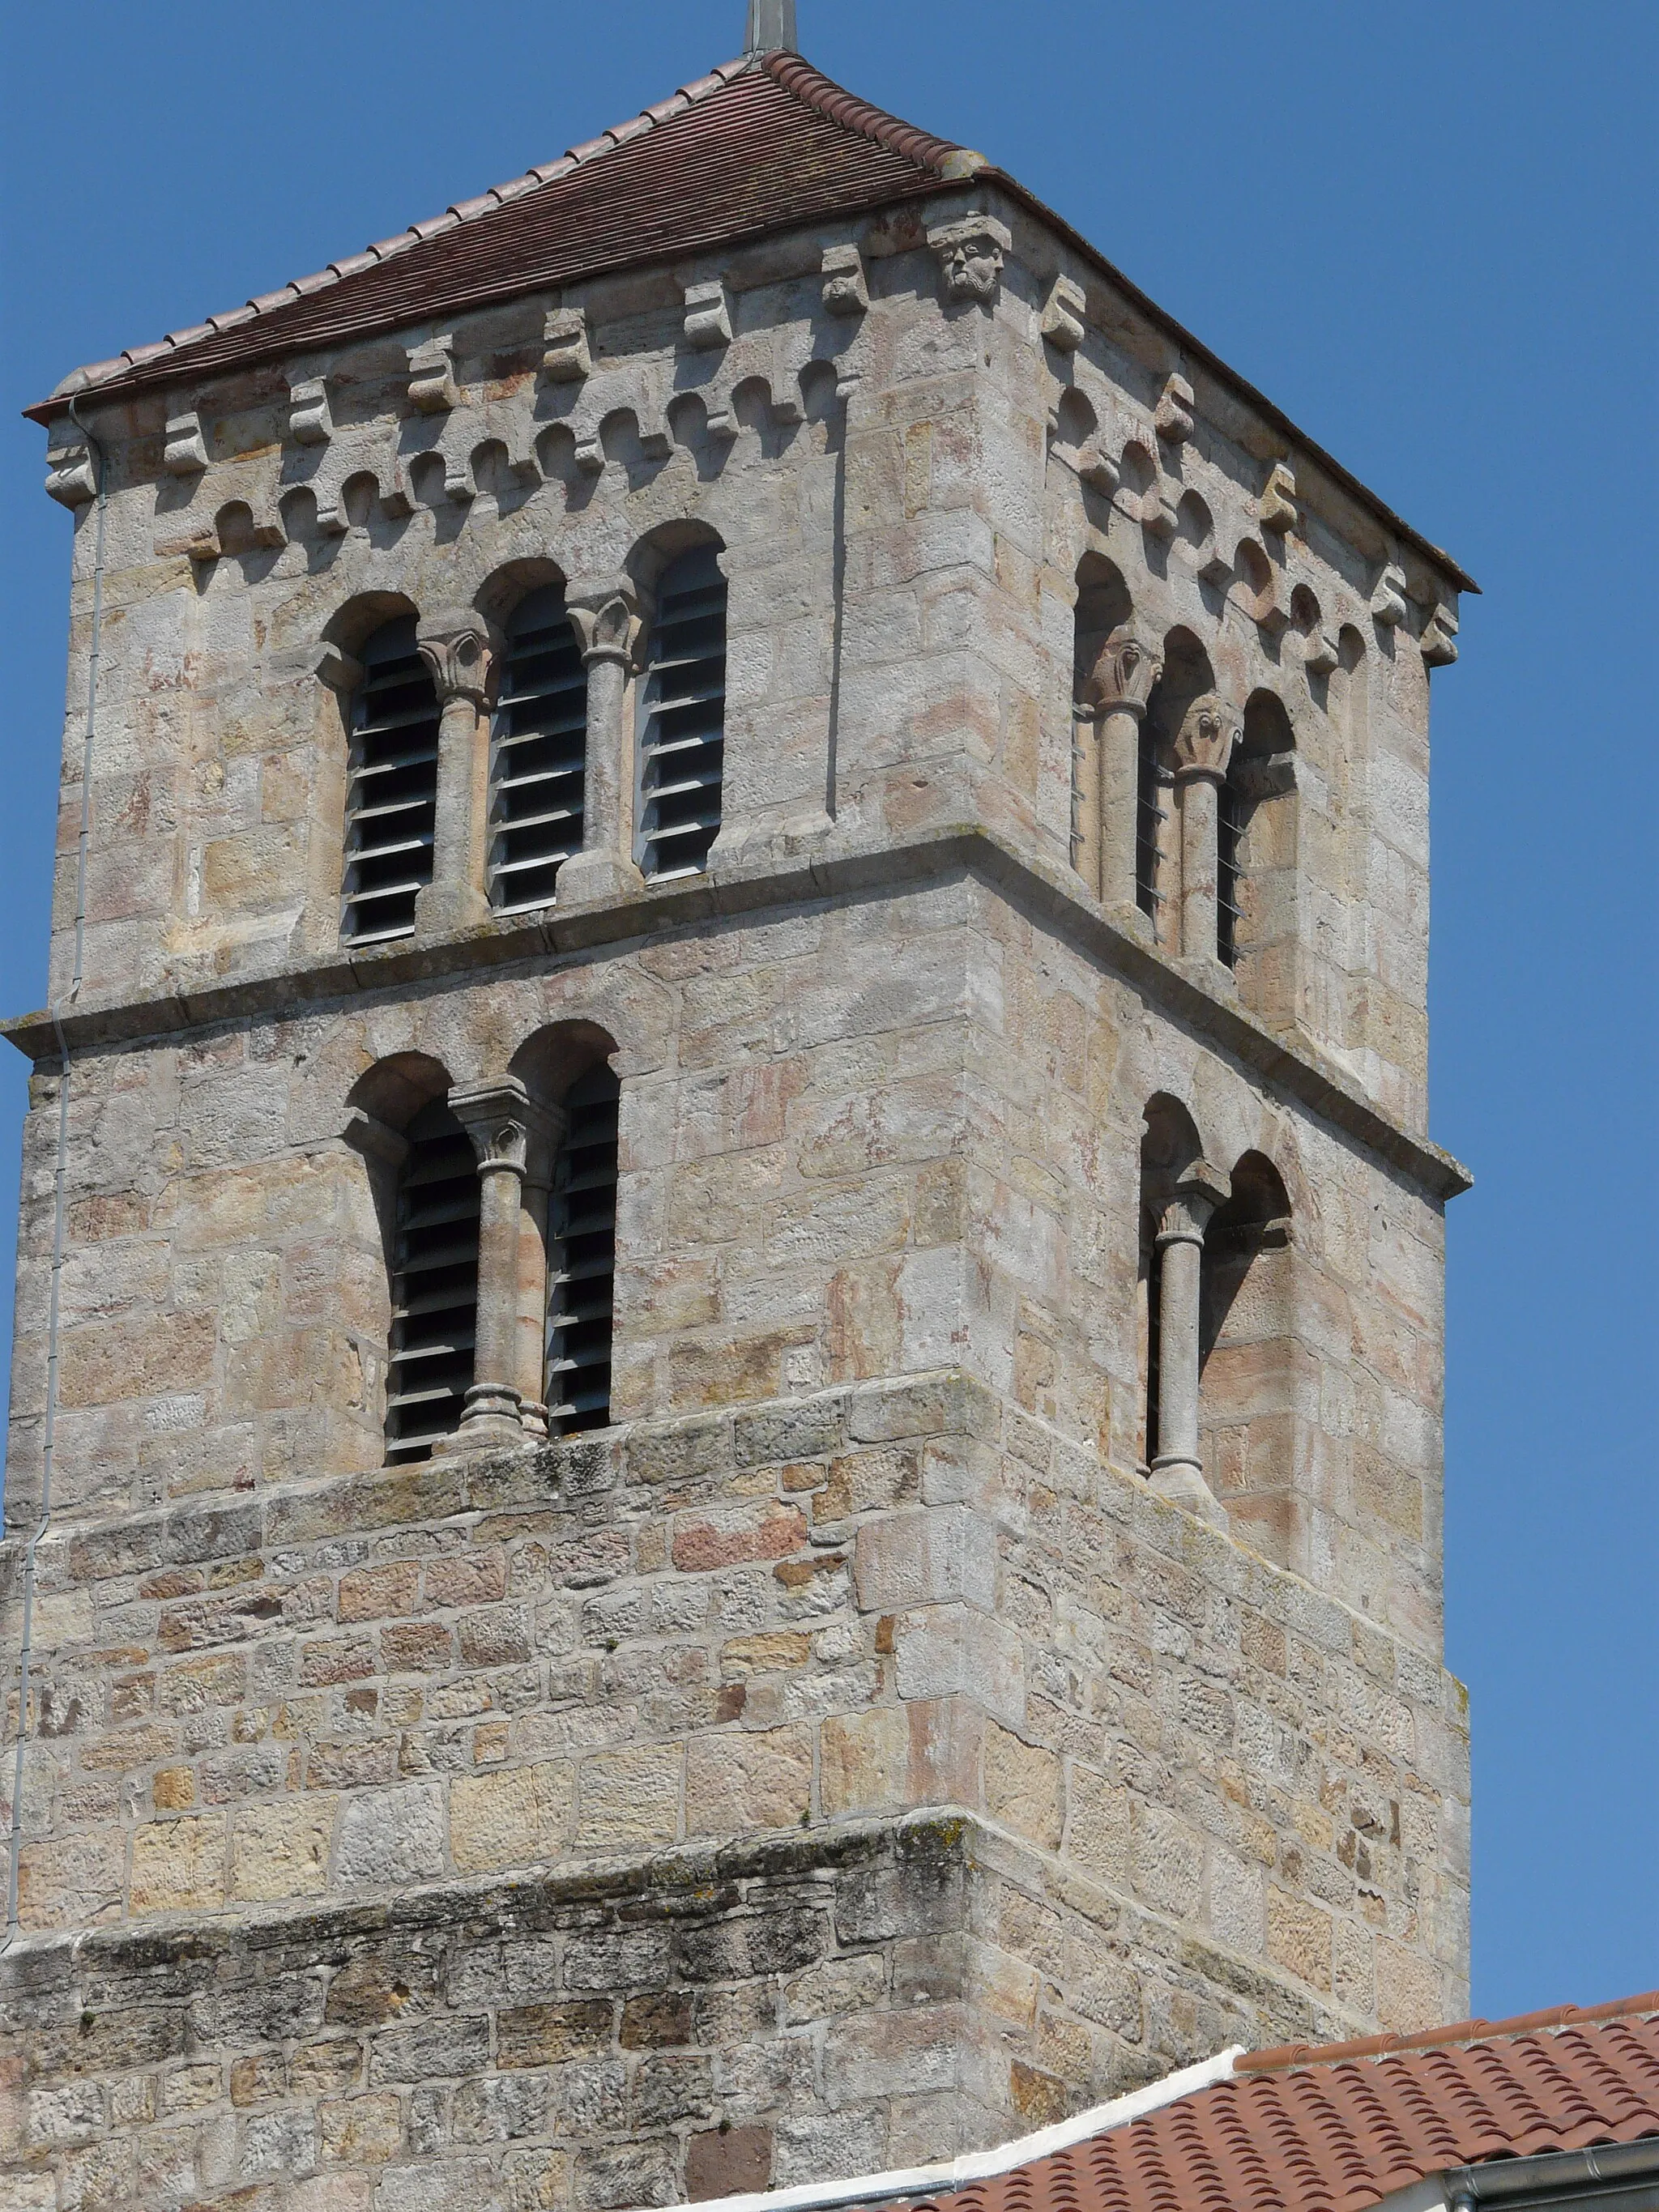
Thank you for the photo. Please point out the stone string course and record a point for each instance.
(739, 1624)
(702, 2022)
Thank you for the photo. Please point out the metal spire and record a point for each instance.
(771, 25)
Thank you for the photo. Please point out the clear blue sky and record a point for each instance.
(1426, 231)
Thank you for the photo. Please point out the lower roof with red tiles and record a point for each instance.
(1341, 2128)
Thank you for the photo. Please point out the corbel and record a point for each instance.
(1278, 511)
(71, 479)
(432, 387)
(568, 356)
(708, 316)
(1062, 322)
(334, 668)
(1215, 568)
(185, 453)
(1158, 518)
(970, 253)
(1388, 600)
(722, 425)
(1439, 640)
(309, 421)
(1097, 470)
(1319, 654)
(376, 1140)
(590, 454)
(846, 287)
(1173, 421)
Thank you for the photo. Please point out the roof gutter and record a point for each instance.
(914, 2181)
(1611, 2174)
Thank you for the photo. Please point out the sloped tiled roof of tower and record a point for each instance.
(759, 145)
(1337, 2129)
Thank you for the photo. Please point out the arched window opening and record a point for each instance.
(392, 789)
(1229, 830)
(1256, 877)
(1187, 674)
(1246, 1377)
(681, 742)
(1169, 1145)
(538, 755)
(1152, 789)
(583, 1257)
(435, 1284)
(1097, 782)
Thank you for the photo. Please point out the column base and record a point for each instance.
(446, 909)
(1181, 1482)
(490, 1415)
(597, 876)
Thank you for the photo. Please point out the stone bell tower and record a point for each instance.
(724, 1460)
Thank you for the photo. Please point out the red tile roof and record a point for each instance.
(760, 145)
(1336, 2129)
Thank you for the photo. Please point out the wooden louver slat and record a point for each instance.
(583, 1253)
(392, 793)
(681, 741)
(538, 755)
(435, 1284)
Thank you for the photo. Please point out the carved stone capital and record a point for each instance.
(970, 254)
(1201, 1191)
(1125, 671)
(503, 1121)
(463, 652)
(1205, 743)
(607, 619)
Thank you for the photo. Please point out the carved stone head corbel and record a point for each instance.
(970, 255)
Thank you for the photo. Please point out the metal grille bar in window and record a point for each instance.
(681, 746)
(1149, 817)
(538, 755)
(392, 792)
(435, 1284)
(584, 1257)
(1229, 830)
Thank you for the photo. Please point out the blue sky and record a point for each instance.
(1426, 231)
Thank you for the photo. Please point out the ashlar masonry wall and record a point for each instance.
(1204, 1802)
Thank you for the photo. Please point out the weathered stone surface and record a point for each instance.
(543, 1825)
(804, 1991)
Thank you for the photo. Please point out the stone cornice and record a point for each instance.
(838, 869)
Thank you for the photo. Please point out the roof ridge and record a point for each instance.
(460, 212)
(810, 84)
(1283, 2057)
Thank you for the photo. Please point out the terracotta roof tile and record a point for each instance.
(756, 146)
(1336, 2129)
